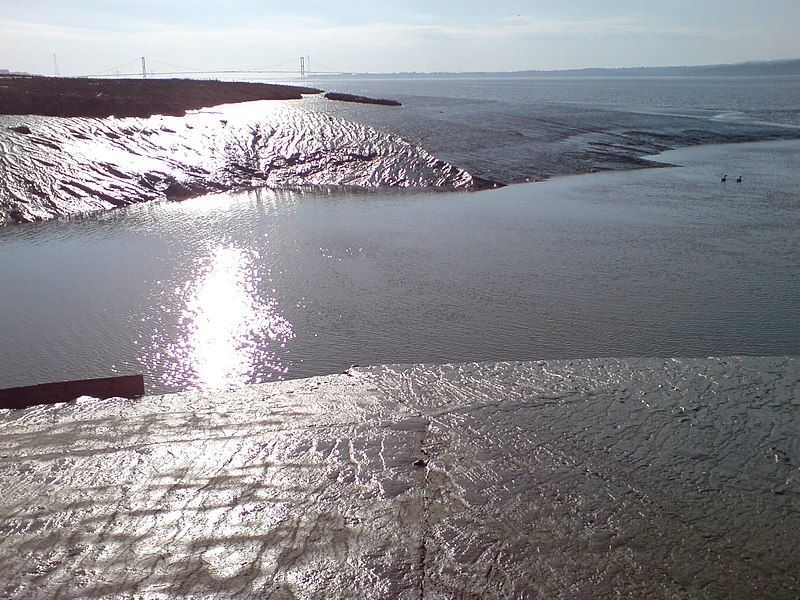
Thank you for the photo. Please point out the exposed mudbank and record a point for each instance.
(361, 99)
(53, 166)
(510, 142)
(600, 478)
(83, 97)
(56, 166)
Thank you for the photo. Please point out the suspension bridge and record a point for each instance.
(301, 69)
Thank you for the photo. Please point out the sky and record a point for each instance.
(93, 37)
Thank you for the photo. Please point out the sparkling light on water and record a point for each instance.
(229, 326)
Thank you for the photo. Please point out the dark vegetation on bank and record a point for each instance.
(83, 97)
(361, 99)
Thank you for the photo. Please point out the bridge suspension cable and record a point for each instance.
(324, 69)
(99, 73)
(179, 67)
(285, 63)
(275, 69)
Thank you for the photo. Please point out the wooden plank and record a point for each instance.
(123, 386)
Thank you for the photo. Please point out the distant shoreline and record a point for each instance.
(776, 68)
(83, 97)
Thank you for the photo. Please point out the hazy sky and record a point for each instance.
(94, 36)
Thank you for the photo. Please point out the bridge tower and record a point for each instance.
(302, 67)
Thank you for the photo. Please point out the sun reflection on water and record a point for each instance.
(228, 325)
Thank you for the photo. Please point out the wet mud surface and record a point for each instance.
(638, 478)
(86, 97)
(517, 142)
(53, 166)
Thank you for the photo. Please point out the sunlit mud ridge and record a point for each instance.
(602, 478)
(51, 166)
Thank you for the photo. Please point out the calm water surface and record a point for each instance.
(772, 99)
(241, 288)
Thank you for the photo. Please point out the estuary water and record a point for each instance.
(519, 129)
(659, 474)
(236, 288)
(239, 288)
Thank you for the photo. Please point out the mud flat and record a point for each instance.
(361, 99)
(517, 141)
(72, 146)
(85, 97)
(600, 478)
(55, 166)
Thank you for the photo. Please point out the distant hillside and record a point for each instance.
(774, 68)
(748, 69)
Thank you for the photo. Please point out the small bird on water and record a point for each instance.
(724, 178)
(739, 179)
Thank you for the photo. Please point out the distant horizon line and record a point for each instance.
(749, 65)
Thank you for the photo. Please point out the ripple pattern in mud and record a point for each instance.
(51, 166)
(600, 478)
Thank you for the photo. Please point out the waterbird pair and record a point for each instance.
(725, 178)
